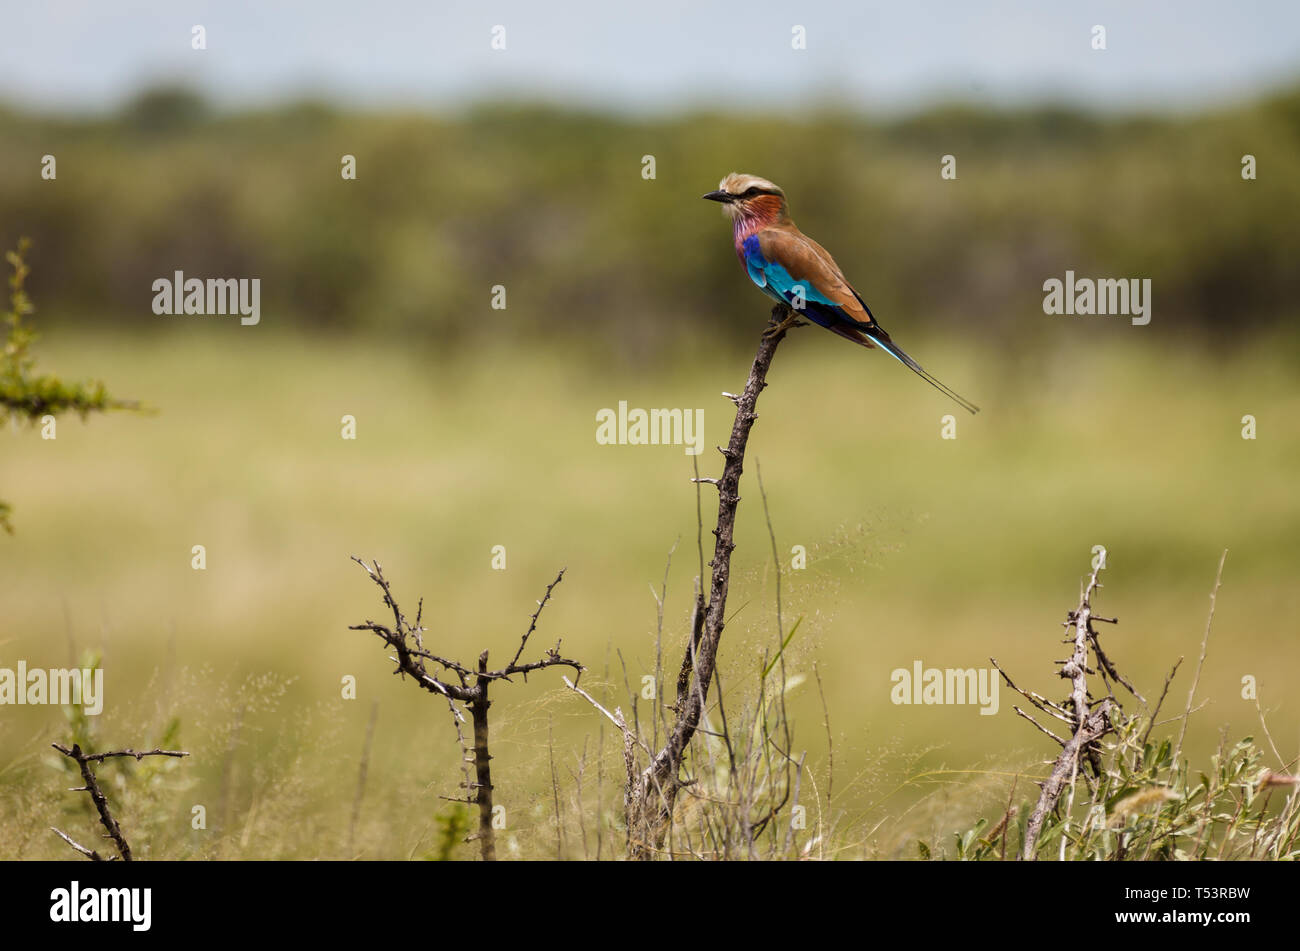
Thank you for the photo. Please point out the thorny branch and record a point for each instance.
(83, 761)
(470, 687)
(653, 792)
(1088, 719)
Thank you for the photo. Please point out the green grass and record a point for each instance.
(919, 548)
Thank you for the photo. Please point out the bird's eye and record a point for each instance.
(750, 192)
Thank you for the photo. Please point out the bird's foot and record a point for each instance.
(791, 320)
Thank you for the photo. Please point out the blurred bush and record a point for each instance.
(552, 204)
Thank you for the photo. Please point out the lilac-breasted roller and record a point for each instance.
(797, 271)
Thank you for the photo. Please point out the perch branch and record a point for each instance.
(657, 785)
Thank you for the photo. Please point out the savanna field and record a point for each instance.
(944, 551)
(476, 428)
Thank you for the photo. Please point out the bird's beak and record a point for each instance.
(718, 196)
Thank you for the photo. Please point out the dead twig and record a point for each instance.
(83, 761)
(1205, 646)
(1089, 721)
(88, 853)
(470, 688)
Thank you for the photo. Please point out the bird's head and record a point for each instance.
(748, 197)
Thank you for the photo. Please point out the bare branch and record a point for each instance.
(651, 802)
(1089, 721)
(551, 658)
(1038, 700)
(1038, 726)
(88, 853)
(83, 761)
(472, 690)
(532, 624)
(1205, 645)
(100, 757)
(615, 718)
(1159, 703)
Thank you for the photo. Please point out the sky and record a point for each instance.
(652, 55)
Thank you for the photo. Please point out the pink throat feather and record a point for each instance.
(753, 216)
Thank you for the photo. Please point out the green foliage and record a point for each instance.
(932, 539)
(19, 337)
(81, 730)
(24, 394)
(444, 207)
(1147, 805)
(453, 826)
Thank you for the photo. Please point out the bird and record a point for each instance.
(795, 270)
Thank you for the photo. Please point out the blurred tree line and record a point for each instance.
(553, 205)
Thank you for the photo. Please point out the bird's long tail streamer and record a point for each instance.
(897, 352)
